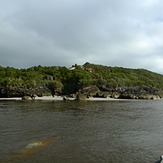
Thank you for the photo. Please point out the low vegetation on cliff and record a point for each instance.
(88, 79)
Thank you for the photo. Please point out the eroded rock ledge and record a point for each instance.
(139, 92)
(100, 91)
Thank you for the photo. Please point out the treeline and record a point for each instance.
(62, 80)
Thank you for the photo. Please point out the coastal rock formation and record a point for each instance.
(92, 90)
(141, 92)
(27, 98)
(20, 92)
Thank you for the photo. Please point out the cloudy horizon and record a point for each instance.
(61, 33)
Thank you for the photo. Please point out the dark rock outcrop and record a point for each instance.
(138, 92)
(141, 92)
(26, 98)
(20, 92)
(92, 90)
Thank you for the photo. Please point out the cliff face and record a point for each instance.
(139, 92)
(20, 92)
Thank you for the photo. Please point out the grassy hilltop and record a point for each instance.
(87, 78)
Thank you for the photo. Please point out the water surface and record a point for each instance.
(81, 132)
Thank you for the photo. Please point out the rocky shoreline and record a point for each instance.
(138, 92)
(67, 98)
(56, 98)
(87, 93)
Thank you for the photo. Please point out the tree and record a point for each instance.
(55, 87)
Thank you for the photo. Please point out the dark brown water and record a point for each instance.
(81, 132)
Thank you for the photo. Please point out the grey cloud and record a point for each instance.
(120, 33)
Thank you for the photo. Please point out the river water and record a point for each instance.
(81, 132)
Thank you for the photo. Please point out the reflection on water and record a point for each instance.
(49, 131)
(29, 150)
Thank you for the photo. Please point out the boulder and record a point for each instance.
(80, 96)
(90, 90)
(26, 98)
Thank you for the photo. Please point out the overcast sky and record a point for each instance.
(123, 33)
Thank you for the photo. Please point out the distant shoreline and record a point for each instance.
(61, 98)
(49, 98)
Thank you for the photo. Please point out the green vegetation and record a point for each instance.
(62, 80)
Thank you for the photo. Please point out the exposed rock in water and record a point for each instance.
(27, 98)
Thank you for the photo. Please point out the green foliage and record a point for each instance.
(54, 84)
(72, 80)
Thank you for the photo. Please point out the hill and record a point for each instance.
(88, 80)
